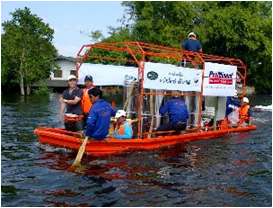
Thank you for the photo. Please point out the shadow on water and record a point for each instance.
(234, 170)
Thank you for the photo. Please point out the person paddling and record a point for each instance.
(98, 121)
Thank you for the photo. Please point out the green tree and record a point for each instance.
(27, 51)
(235, 29)
(166, 23)
(242, 30)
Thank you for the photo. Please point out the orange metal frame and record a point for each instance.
(140, 52)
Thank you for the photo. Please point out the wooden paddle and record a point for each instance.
(78, 159)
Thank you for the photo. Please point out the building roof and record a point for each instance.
(66, 58)
(51, 83)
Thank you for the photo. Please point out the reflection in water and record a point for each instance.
(234, 170)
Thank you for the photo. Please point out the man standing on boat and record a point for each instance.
(178, 114)
(98, 121)
(124, 128)
(70, 101)
(86, 103)
(192, 44)
(245, 113)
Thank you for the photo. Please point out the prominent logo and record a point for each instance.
(220, 78)
(152, 75)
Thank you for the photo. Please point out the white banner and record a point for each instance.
(219, 80)
(107, 74)
(169, 77)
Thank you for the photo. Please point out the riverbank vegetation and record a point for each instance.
(27, 52)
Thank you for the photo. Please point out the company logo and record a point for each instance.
(220, 78)
(152, 75)
(128, 77)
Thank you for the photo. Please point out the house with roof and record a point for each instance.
(67, 66)
(58, 78)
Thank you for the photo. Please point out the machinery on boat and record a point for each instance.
(147, 74)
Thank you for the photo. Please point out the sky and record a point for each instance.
(69, 18)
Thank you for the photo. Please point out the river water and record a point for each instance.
(235, 170)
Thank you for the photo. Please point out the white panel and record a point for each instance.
(219, 80)
(106, 74)
(169, 77)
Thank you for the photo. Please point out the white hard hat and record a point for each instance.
(245, 100)
(71, 77)
(192, 34)
(120, 113)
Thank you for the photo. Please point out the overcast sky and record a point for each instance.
(68, 18)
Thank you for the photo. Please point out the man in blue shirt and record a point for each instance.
(231, 104)
(98, 121)
(192, 44)
(178, 114)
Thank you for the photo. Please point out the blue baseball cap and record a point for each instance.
(88, 77)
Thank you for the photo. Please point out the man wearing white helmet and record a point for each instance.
(192, 44)
(123, 129)
(245, 113)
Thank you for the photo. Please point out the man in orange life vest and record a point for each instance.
(86, 103)
(123, 129)
(245, 113)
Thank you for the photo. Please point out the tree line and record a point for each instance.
(238, 29)
(27, 52)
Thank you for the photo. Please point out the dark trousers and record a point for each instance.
(74, 125)
(85, 119)
(179, 126)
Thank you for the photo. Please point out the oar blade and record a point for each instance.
(78, 159)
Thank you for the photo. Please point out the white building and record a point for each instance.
(58, 78)
(67, 67)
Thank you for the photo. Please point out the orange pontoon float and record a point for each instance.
(148, 74)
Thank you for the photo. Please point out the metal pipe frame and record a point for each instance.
(138, 52)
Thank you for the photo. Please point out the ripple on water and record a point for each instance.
(233, 171)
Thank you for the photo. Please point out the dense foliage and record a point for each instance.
(27, 51)
(235, 29)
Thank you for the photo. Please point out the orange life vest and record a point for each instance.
(86, 103)
(243, 114)
(121, 127)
